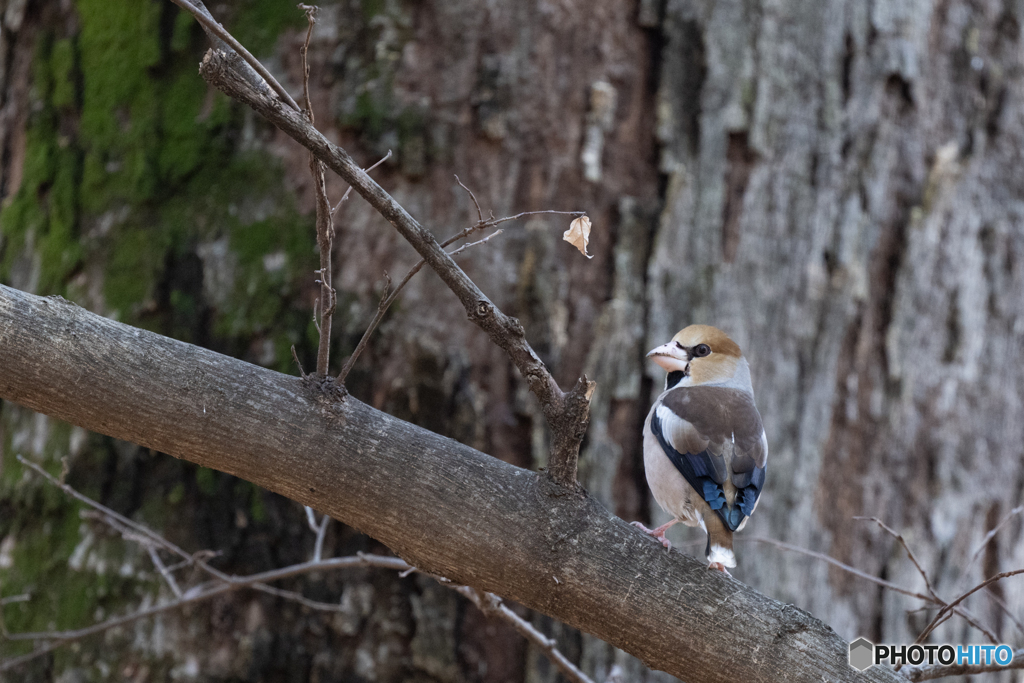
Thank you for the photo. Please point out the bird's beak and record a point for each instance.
(670, 357)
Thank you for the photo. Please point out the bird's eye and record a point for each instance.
(701, 350)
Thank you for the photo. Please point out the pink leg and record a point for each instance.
(720, 567)
(658, 533)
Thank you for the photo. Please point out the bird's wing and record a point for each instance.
(697, 427)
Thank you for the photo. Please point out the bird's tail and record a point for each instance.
(719, 548)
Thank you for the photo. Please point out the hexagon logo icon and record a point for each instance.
(862, 654)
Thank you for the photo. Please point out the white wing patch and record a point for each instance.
(675, 429)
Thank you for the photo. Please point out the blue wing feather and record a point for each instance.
(698, 469)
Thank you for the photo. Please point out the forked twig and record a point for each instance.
(213, 27)
(910, 554)
(345, 196)
(324, 226)
(489, 603)
(387, 300)
(952, 605)
(931, 599)
(319, 529)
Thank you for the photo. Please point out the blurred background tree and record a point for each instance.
(836, 183)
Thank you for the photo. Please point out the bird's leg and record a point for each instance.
(658, 533)
(720, 567)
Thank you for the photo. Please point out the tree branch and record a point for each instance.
(491, 605)
(224, 40)
(324, 225)
(929, 672)
(442, 506)
(567, 414)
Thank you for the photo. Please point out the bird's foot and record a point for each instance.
(658, 533)
(720, 567)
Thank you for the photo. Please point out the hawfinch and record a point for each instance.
(705, 449)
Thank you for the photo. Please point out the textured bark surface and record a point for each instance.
(836, 183)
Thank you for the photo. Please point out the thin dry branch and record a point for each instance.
(967, 616)
(146, 532)
(192, 596)
(910, 554)
(944, 612)
(931, 599)
(836, 563)
(387, 300)
(929, 672)
(479, 212)
(203, 16)
(154, 556)
(319, 529)
(489, 603)
(324, 226)
(348, 192)
(992, 534)
(567, 413)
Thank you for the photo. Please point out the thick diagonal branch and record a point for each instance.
(567, 414)
(444, 507)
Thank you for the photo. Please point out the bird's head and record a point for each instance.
(701, 354)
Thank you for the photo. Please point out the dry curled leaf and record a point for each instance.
(578, 234)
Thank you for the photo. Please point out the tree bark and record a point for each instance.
(442, 506)
(835, 182)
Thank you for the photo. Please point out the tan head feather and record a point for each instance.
(720, 364)
(712, 336)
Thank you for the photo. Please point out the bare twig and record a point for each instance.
(311, 12)
(970, 619)
(566, 413)
(952, 605)
(324, 225)
(1004, 608)
(836, 563)
(473, 244)
(910, 554)
(199, 594)
(934, 600)
(144, 531)
(203, 16)
(299, 598)
(295, 356)
(344, 197)
(479, 212)
(164, 572)
(320, 529)
(11, 599)
(931, 671)
(492, 605)
(992, 534)
(387, 299)
(487, 602)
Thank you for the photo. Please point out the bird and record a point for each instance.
(705, 448)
